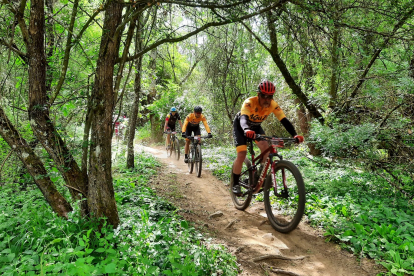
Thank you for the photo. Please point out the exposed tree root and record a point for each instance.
(281, 257)
(280, 271)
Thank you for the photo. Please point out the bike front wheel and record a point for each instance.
(198, 160)
(285, 203)
(170, 148)
(191, 160)
(245, 182)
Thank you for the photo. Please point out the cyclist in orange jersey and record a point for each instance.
(248, 122)
(192, 125)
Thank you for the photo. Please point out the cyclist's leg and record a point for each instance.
(188, 132)
(167, 141)
(263, 145)
(240, 142)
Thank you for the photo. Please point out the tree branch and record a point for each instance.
(13, 47)
(202, 28)
(210, 5)
(256, 37)
(378, 51)
(67, 52)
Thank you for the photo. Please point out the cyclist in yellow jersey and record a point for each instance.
(192, 124)
(248, 122)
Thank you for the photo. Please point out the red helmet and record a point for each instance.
(267, 87)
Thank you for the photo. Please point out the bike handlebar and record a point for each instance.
(192, 137)
(170, 132)
(263, 137)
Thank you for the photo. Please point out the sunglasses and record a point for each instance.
(267, 97)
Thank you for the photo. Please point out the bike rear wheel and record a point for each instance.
(285, 209)
(177, 148)
(191, 159)
(246, 181)
(198, 160)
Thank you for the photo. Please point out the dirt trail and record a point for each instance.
(247, 234)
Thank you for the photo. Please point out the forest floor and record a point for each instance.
(247, 234)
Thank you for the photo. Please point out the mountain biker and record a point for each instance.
(248, 121)
(170, 122)
(192, 124)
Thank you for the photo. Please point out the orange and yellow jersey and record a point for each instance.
(193, 121)
(258, 114)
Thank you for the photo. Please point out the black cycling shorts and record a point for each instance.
(240, 141)
(195, 129)
(172, 127)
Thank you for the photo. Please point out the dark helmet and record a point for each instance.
(266, 87)
(198, 109)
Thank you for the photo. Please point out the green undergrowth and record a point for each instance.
(357, 210)
(150, 240)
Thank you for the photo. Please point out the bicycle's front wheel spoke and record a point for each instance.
(285, 204)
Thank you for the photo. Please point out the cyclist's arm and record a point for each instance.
(206, 125)
(243, 121)
(288, 126)
(184, 127)
(165, 125)
(280, 115)
(181, 124)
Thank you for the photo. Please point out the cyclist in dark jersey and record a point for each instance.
(248, 122)
(170, 122)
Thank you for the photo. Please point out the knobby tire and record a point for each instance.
(191, 159)
(198, 160)
(284, 214)
(177, 148)
(170, 151)
(242, 202)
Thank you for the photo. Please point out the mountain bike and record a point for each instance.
(195, 157)
(282, 185)
(174, 146)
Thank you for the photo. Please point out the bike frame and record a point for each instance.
(172, 137)
(195, 139)
(272, 150)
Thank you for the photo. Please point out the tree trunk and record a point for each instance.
(85, 142)
(50, 43)
(101, 198)
(274, 52)
(334, 75)
(135, 105)
(155, 130)
(40, 120)
(34, 166)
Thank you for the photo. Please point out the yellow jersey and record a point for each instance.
(193, 121)
(258, 114)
